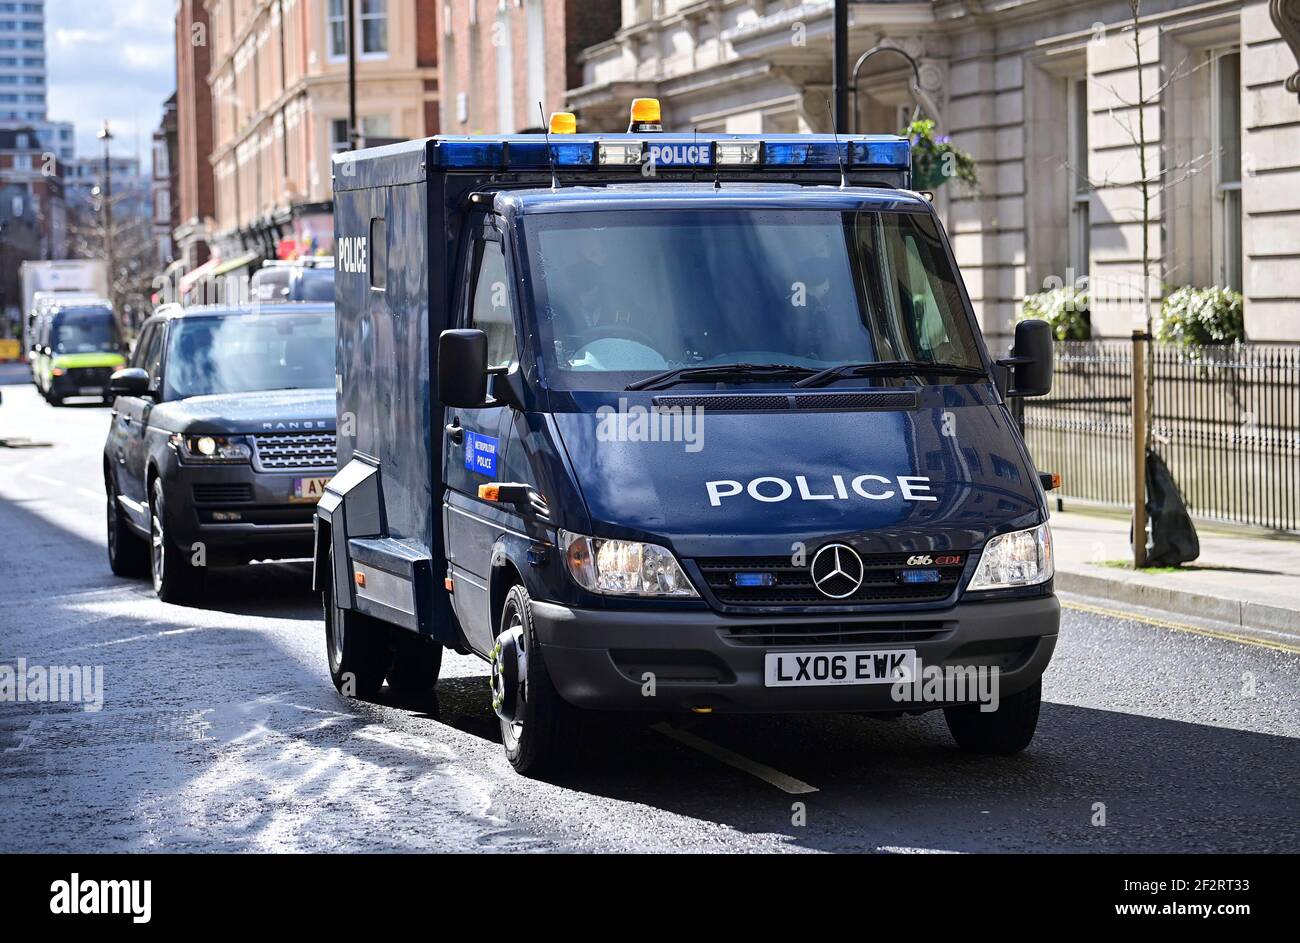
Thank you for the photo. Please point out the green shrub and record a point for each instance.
(1065, 309)
(1198, 317)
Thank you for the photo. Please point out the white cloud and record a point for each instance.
(114, 60)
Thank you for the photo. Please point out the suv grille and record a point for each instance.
(295, 450)
(882, 582)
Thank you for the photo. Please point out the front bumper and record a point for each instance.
(700, 659)
(238, 513)
(81, 381)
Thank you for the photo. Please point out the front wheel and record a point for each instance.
(1003, 731)
(177, 578)
(539, 729)
(356, 646)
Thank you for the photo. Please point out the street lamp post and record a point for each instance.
(840, 65)
(106, 198)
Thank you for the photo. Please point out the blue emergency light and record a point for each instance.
(674, 152)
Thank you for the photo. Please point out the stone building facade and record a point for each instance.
(500, 58)
(1045, 95)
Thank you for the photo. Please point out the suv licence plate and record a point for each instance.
(808, 669)
(309, 489)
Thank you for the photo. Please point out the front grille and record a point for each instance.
(90, 376)
(793, 585)
(214, 493)
(295, 450)
(836, 633)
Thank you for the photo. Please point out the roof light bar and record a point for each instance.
(673, 152)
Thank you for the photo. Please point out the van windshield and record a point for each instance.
(621, 296)
(84, 331)
(242, 353)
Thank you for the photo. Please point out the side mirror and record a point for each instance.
(462, 368)
(1031, 359)
(129, 381)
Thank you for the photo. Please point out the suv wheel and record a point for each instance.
(1005, 730)
(175, 577)
(127, 552)
(539, 729)
(357, 647)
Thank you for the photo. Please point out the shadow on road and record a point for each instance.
(227, 716)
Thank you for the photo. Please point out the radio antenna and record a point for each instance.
(844, 176)
(550, 155)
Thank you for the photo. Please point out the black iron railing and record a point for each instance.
(1226, 420)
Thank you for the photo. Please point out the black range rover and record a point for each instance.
(221, 442)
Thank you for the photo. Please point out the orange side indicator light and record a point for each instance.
(448, 585)
(360, 578)
(489, 492)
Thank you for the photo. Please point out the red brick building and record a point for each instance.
(193, 197)
(501, 57)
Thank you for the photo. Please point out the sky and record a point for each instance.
(111, 59)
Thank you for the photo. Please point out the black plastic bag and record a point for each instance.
(1171, 535)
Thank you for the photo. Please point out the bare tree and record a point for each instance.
(135, 259)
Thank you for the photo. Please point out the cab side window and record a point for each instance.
(148, 353)
(142, 344)
(490, 305)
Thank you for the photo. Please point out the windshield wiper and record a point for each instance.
(890, 368)
(729, 372)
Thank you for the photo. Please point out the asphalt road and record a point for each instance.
(220, 730)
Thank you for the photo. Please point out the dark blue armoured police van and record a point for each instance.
(676, 423)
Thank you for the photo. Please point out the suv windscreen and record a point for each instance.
(241, 353)
(84, 331)
(623, 295)
(313, 284)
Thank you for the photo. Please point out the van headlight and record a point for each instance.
(215, 449)
(1020, 558)
(623, 567)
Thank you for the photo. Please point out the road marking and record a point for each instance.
(1182, 627)
(46, 479)
(795, 787)
(90, 494)
(908, 850)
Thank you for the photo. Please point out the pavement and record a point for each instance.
(220, 730)
(1241, 579)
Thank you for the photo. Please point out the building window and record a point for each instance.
(1080, 189)
(336, 26)
(1226, 128)
(339, 135)
(375, 126)
(372, 28)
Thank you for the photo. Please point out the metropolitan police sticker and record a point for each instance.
(481, 454)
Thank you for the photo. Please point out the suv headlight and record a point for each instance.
(214, 449)
(1020, 558)
(623, 567)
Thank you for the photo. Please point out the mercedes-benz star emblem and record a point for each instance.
(837, 571)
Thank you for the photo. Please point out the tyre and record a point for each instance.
(175, 577)
(539, 729)
(1005, 730)
(357, 647)
(54, 399)
(416, 663)
(128, 552)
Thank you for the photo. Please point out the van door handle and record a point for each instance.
(455, 432)
(126, 419)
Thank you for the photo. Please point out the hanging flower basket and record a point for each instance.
(935, 160)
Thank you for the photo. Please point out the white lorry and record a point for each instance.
(75, 276)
